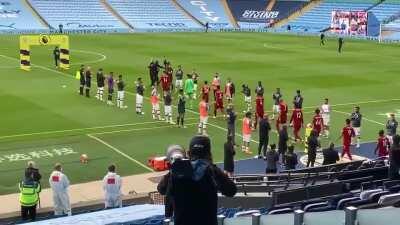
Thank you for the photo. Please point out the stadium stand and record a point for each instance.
(319, 18)
(385, 10)
(250, 13)
(16, 16)
(156, 14)
(77, 15)
(207, 11)
(286, 8)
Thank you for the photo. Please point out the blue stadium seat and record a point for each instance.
(77, 15)
(155, 14)
(210, 11)
(15, 16)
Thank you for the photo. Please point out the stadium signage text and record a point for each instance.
(204, 10)
(253, 14)
(169, 25)
(39, 154)
(10, 26)
(80, 25)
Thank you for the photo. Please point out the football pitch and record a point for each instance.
(44, 119)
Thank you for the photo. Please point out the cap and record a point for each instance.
(200, 146)
(175, 152)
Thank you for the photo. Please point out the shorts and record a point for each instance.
(100, 88)
(121, 95)
(276, 109)
(195, 87)
(357, 131)
(179, 83)
(139, 99)
(168, 110)
(219, 105)
(247, 99)
(204, 119)
(327, 119)
(156, 106)
(246, 137)
(346, 148)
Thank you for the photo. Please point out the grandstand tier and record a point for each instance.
(210, 11)
(77, 15)
(156, 14)
(14, 15)
(319, 18)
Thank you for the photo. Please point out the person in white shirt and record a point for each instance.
(112, 184)
(326, 116)
(59, 184)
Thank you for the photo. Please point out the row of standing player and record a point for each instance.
(85, 82)
(188, 90)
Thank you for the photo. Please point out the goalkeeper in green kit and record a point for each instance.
(189, 89)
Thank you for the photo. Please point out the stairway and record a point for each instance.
(309, 6)
(35, 13)
(109, 8)
(229, 13)
(186, 13)
(271, 5)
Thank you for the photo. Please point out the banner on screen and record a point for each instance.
(349, 22)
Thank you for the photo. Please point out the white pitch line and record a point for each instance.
(81, 129)
(366, 119)
(358, 103)
(120, 152)
(138, 129)
(102, 57)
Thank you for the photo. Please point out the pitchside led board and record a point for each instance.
(349, 22)
(26, 41)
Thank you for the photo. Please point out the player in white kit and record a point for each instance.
(326, 116)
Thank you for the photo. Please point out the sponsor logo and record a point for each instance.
(44, 39)
(80, 25)
(9, 26)
(253, 14)
(205, 11)
(169, 25)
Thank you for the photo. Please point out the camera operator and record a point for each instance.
(192, 185)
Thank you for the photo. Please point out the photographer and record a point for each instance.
(192, 185)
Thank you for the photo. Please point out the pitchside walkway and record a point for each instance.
(86, 192)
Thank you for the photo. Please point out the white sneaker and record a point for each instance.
(358, 146)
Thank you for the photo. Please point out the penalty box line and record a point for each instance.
(92, 136)
(82, 129)
(120, 152)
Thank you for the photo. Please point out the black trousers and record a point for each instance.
(56, 61)
(263, 145)
(28, 212)
(231, 132)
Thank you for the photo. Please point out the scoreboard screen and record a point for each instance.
(349, 22)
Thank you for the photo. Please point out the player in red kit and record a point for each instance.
(219, 102)
(347, 134)
(318, 122)
(205, 92)
(165, 83)
(283, 111)
(259, 110)
(383, 145)
(297, 122)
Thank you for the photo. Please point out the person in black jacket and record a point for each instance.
(291, 160)
(231, 121)
(193, 185)
(32, 173)
(394, 159)
(272, 158)
(331, 156)
(264, 130)
(282, 144)
(82, 81)
(313, 144)
(229, 153)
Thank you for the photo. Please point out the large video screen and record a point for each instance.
(349, 22)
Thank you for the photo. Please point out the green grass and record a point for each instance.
(36, 102)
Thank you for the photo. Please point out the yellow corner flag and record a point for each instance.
(78, 75)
